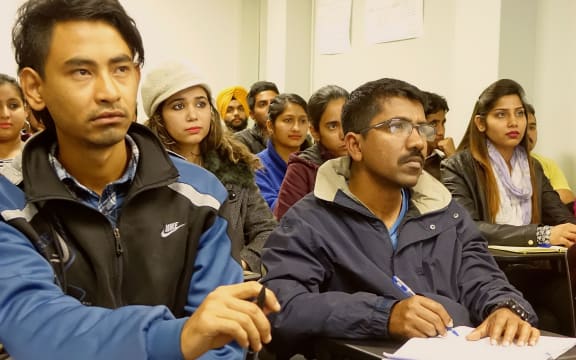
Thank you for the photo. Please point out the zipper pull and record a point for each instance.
(119, 250)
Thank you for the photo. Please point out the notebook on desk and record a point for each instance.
(529, 249)
(457, 347)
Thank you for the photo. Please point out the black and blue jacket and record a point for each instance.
(74, 286)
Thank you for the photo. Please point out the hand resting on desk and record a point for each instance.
(419, 316)
(503, 326)
(563, 234)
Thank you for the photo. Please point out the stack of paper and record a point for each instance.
(457, 347)
(529, 249)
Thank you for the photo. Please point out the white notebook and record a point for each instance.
(458, 348)
(529, 249)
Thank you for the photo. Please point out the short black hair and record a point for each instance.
(256, 89)
(530, 109)
(32, 32)
(434, 103)
(366, 101)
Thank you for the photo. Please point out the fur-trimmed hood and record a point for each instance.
(227, 172)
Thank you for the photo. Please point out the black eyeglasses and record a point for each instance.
(404, 127)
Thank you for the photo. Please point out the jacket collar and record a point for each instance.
(427, 195)
(41, 182)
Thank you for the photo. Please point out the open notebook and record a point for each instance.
(529, 249)
(457, 347)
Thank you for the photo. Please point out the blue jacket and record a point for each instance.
(269, 177)
(73, 287)
(330, 262)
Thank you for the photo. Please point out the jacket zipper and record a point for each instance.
(119, 249)
(119, 252)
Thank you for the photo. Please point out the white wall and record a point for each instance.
(456, 57)
(286, 37)
(220, 36)
(7, 16)
(555, 83)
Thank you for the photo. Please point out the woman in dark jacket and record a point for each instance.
(496, 180)
(182, 114)
(324, 108)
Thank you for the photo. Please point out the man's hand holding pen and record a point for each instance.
(230, 313)
(418, 316)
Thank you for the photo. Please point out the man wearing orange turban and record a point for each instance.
(233, 108)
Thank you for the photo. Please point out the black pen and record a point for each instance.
(260, 301)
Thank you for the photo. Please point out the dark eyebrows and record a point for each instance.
(76, 62)
(201, 97)
(120, 59)
(79, 61)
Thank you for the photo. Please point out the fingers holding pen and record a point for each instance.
(418, 316)
(232, 312)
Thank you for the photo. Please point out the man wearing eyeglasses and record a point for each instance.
(373, 215)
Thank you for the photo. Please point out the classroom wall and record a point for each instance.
(467, 45)
(452, 58)
(220, 36)
(555, 83)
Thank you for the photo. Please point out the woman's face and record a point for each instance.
(290, 128)
(187, 116)
(505, 124)
(12, 113)
(329, 132)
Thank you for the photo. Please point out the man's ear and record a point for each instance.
(353, 143)
(480, 123)
(31, 84)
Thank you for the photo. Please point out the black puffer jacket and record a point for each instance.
(460, 174)
(250, 220)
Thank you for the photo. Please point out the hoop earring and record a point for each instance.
(27, 129)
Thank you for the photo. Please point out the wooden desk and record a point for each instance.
(345, 349)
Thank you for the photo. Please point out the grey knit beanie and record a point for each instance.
(167, 79)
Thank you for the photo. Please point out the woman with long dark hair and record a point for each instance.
(493, 176)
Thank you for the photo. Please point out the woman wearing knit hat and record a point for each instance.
(179, 106)
(233, 108)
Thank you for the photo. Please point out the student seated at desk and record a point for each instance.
(374, 214)
(502, 187)
(507, 194)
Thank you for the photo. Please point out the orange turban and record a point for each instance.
(225, 96)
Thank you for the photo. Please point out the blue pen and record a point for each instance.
(408, 292)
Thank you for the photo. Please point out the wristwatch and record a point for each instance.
(514, 306)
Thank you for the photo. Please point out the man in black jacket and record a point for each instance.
(110, 248)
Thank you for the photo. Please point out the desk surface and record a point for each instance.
(508, 256)
(373, 349)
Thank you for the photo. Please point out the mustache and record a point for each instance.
(414, 155)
